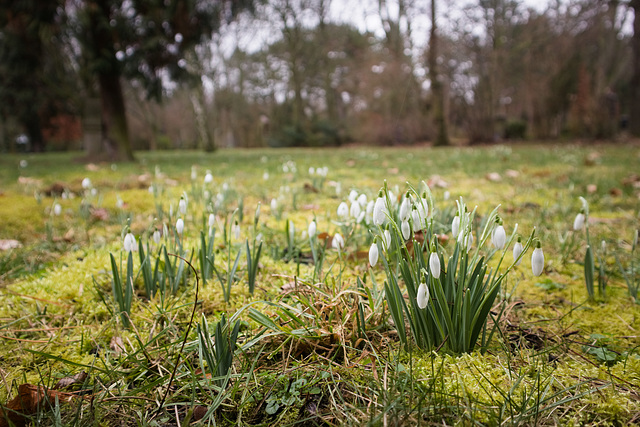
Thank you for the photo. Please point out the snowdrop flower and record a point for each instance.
(578, 222)
(406, 229)
(265, 176)
(379, 210)
(274, 205)
(312, 229)
(180, 226)
(499, 236)
(455, 226)
(337, 242)
(208, 178)
(182, 206)
(362, 199)
(517, 250)
(355, 210)
(386, 240)
(373, 253)
(86, 183)
(57, 209)
(343, 211)
(537, 260)
(94, 191)
(423, 295)
(434, 264)
(353, 195)
(312, 170)
(404, 208)
(369, 212)
(156, 237)
(23, 163)
(130, 244)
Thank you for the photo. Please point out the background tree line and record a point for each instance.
(159, 74)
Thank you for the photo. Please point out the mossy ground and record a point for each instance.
(540, 369)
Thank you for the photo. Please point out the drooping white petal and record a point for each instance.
(455, 226)
(404, 209)
(182, 206)
(355, 210)
(373, 254)
(537, 261)
(578, 222)
(312, 229)
(130, 244)
(386, 240)
(499, 237)
(406, 229)
(423, 295)
(180, 226)
(337, 242)
(156, 237)
(517, 250)
(343, 211)
(434, 265)
(379, 211)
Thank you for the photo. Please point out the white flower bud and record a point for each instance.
(355, 210)
(406, 229)
(423, 295)
(130, 244)
(386, 240)
(57, 209)
(517, 250)
(208, 178)
(373, 254)
(86, 183)
(312, 229)
(212, 220)
(578, 222)
(180, 226)
(343, 211)
(455, 226)
(156, 237)
(274, 205)
(337, 242)
(404, 209)
(434, 264)
(182, 206)
(537, 261)
(499, 237)
(379, 211)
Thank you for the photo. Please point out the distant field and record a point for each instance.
(316, 341)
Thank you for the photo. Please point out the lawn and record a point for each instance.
(246, 313)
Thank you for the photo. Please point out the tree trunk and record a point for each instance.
(442, 137)
(115, 133)
(634, 108)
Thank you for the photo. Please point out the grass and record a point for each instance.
(311, 344)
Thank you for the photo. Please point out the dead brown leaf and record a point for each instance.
(99, 214)
(29, 400)
(67, 382)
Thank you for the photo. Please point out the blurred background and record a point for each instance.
(113, 76)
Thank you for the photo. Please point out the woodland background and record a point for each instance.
(113, 76)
